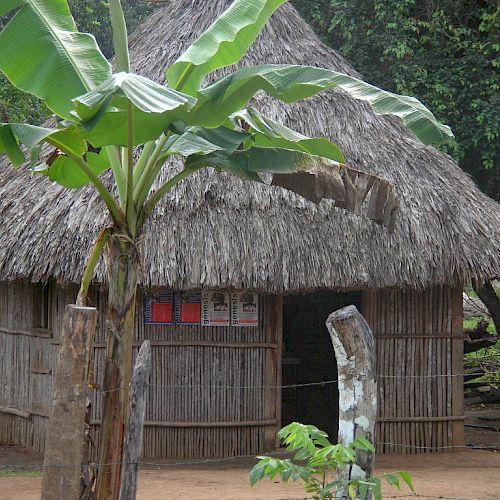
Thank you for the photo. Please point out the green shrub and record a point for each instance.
(317, 462)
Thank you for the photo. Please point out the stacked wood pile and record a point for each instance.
(478, 388)
(478, 338)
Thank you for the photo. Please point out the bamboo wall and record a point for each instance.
(206, 397)
(419, 354)
(224, 410)
(26, 363)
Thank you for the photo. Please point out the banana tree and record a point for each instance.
(117, 121)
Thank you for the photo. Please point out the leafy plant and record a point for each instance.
(128, 126)
(317, 461)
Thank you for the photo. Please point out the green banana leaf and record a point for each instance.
(273, 160)
(58, 167)
(198, 141)
(104, 111)
(234, 163)
(12, 135)
(112, 126)
(10, 147)
(270, 134)
(66, 172)
(224, 43)
(43, 54)
(145, 94)
(251, 130)
(248, 163)
(291, 83)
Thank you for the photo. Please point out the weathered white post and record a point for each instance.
(133, 438)
(65, 433)
(354, 347)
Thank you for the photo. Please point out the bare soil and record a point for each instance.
(482, 425)
(464, 475)
(460, 475)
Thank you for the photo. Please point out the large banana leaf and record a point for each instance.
(223, 44)
(291, 83)
(252, 129)
(309, 167)
(14, 134)
(43, 54)
(235, 163)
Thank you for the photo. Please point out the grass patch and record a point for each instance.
(21, 473)
(488, 358)
(470, 292)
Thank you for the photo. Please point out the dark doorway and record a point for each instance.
(309, 357)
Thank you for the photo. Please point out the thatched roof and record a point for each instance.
(217, 231)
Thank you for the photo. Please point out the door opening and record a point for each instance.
(309, 357)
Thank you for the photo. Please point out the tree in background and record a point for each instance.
(92, 16)
(445, 52)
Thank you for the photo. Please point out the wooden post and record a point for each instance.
(457, 360)
(273, 305)
(133, 439)
(354, 347)
(279, 366)
(66, 428)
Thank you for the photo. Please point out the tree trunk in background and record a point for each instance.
(123, 267)
(491, 300)
(354, 347)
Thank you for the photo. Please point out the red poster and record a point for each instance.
(188, 308)
(159, 308)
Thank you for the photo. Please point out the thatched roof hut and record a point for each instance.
(215, 231)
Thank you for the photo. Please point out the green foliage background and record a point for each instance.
(445, 52)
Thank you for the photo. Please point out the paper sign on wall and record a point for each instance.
(215, 308)
(159, 308)
(244, 309)
(188, 308)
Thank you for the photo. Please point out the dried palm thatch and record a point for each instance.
(215, 230)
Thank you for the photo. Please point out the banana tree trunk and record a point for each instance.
(123, 267)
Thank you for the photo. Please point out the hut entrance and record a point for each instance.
(309, 357)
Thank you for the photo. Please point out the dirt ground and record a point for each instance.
(482, 425)
(462, 475)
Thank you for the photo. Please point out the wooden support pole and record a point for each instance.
(65, 431)
(354, 348)
(457, 360)
(133, 438)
